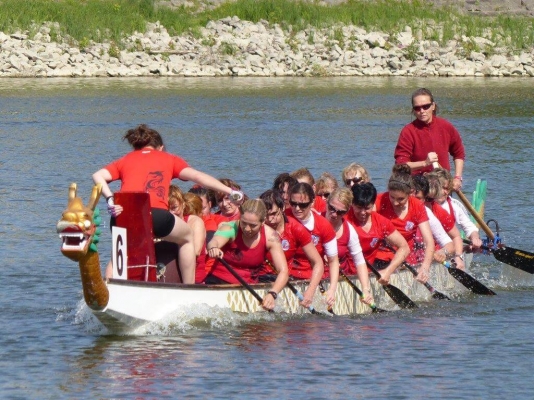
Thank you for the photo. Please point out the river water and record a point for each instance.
(57, 131)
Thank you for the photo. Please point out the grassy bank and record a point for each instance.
(105, 20)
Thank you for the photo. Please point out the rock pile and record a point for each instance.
(231, 47)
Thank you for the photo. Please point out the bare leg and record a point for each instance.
(109, 270)
(182, 235)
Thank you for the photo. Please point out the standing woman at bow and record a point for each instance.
(148, 168)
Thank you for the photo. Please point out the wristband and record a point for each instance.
(211, 248)
(110, 200)
(236, 195)
(458, 177)
(461, 256)
(273, 293)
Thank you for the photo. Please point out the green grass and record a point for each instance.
(105, 20)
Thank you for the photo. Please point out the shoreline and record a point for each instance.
(232, 47)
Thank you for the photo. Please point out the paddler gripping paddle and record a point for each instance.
(360, 293)
(394, 292)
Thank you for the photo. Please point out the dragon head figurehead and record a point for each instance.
(78, 226)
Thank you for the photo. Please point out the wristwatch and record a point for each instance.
(461, 256)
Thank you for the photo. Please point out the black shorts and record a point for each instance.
(162, 222)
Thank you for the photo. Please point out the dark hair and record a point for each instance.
(420, 183)
(272, 197)
(282, 179)
(425, 92)
(231, 184)
(201, 191)
(364, 194)
(302, 188)
(143, 136)
(401, 179)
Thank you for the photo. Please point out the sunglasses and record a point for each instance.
(302, 206)
(324, 195)
(423, 107)
(348, 182)
(340, 213)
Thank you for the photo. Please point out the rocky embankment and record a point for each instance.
(231, 47)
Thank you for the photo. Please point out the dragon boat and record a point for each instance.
(136, 295)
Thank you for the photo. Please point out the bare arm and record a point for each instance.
(103, 176)
(279, 263)
(199, 232)
(458, 171)
(317, 265)
(217, 243)
(398, 241)
(428, 241)
(205, 180)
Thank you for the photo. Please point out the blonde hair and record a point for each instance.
(254, 206)
(343, 195)
(353, 168)
(443, 176)
(326, 180)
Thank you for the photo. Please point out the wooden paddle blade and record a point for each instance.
(399, 297)
(520, 259)
(377, 310)
(469, 282)
(435, 294)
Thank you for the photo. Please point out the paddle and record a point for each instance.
(242, 281)
(295, 291)
(468, 281)
(360, 293)
(323, 292)
(394, 292)
(520, 259)
(435, 293)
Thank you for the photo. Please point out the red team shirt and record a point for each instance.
(321, 233)
(408, 225)
(247, 261)
(148, 170)
(381, 228)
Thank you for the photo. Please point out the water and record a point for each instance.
(59, 131)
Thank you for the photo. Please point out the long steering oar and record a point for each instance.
(519, 259)
(394, 292)
(242, 281)
(435, 294)
(360, 293)
(468, 281)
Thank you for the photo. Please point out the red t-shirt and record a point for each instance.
(408, 225)
(294, 237)
(321, 233)
(248, 262)
(320, 204)
(346, 264)
(381, 228)
(148, 170)
(417, 139)
(446, 219)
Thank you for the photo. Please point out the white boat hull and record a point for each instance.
(133, 304)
